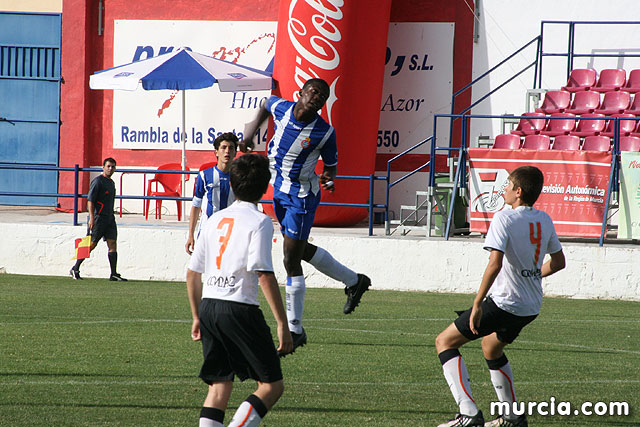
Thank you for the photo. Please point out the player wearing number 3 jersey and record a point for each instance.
(509, 297)
(231, 258)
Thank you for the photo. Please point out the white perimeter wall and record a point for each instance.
(507, 25)
(418, 264)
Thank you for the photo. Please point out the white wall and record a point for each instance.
(418, 264)
(507, 25)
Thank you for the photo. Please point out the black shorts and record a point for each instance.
(494, 319)
(236, 340)
(104, 226)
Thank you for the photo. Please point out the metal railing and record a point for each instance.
(76, 195)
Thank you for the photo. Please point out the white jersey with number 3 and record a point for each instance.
(525, 235)
(235, 244)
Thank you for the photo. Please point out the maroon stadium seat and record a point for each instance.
(555, 101)
(580, 79)
(610, 79)
(584, 102)
(536, 142)
(566, 142)
(561, 126)
(633, 82)
(635, 105)
(626, 126)
(530, 126)
(590, 127)
(597, 143)
(629, 143)
(614, 102)
(508, 141)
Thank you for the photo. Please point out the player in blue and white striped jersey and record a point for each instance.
(301, 137)
(212, 187)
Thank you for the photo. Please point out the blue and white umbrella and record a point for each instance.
(182, 70)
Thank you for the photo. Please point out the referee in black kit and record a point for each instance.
(102, 221)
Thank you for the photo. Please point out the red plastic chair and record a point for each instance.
(635, 104)
(629, 143)
(555, 101)
(614, 103)
(626, 126)
(172, 185)
(207, 165)
(530, 126)
(561, 126)
(584, 102)
(590, 127)
(566, 142)
(610, 79)
(507, 141)
(596, 143)
(580, 79)
(633, 82)
(536, 142)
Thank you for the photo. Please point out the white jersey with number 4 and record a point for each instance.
(524, 235)
(235, 244)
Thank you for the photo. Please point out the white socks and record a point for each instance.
(295, 291)
(249, 413)
(455, 372)
(327, 265)
(502, 380)
(207, 422)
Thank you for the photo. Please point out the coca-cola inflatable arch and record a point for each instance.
(343, 43)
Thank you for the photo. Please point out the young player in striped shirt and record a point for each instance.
(301, 137)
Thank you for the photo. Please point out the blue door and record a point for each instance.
(29, 105)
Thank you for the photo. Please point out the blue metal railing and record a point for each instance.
(370, 205)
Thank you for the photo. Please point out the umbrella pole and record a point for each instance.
(184, 144)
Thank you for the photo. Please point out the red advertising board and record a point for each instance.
(574, 192)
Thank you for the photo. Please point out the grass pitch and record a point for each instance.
(100, 353)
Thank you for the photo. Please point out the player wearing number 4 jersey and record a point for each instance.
(301, 137)
(231, 258)
(509, 297)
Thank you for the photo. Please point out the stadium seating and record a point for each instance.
(555, 101)
(536, 142)
(610, 79)
(530, 126)
(635, 104)
(626, 126)
(172, 186)
(590, 127)
(580, 79)
(633, 82)
(614, 102)
(629, 143)
(584, 102)
(596, 143)
(507, 141)
(566, 142)
(560, 126)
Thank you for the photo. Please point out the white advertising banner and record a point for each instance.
(152, 119)
(629, 213)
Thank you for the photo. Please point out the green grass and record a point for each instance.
(100, 353)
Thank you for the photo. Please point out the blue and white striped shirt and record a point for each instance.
(295, 149)
(213, 184)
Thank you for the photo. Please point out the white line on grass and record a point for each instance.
(314, 383)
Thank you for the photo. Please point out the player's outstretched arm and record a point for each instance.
(194, 292)
(247, 144)
(490, 273)
(271, 292)
(193, 219)
(555, 264)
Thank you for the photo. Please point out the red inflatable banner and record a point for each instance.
(343, 43)
(574, 192)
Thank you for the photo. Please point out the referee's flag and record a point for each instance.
(83, 248)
